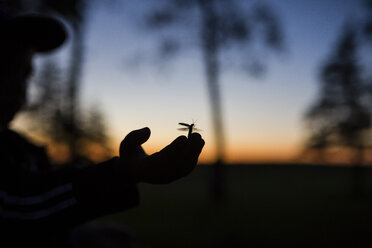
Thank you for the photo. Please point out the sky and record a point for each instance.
(263, 116)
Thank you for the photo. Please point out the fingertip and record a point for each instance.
(137, 137)
(196, 141)
(145, 129)
(195, 137)
(182, 138)
(146, 133)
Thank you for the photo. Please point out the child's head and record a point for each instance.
(21, 36)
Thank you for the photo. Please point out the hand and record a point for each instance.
(175, 161)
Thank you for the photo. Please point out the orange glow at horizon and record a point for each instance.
(238, 149)
(247, 153)
(256, 151)
(239, 153)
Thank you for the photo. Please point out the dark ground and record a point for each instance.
(264, 206)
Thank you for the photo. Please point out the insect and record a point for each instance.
(188, 127)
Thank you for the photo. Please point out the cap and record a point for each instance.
(43, 33)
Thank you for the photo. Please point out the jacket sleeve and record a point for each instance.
(62, 199)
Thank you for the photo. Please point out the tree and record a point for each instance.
(367, 25)
(222, 25)
(47, 117)
(75, 11)
(340, 116)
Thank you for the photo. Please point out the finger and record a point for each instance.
(178, 144)
(138, 137)
(196, 143)
(134, 140)
(183, 147)
(171, 152)
(180, 141)
(194, 147)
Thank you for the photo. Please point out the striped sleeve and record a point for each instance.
(38, 206)
(64, 198)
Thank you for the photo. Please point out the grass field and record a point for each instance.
(264, 206)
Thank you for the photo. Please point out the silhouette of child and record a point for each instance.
(40, 206)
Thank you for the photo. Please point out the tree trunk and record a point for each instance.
(210, 48)
(73, 89)
(358, 172)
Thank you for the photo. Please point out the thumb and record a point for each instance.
(131, 145)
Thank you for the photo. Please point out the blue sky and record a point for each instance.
(263, 116)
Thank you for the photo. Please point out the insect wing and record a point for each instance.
(197, 129)
(183, 129)
(183, 124)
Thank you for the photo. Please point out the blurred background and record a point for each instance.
(282, 91)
